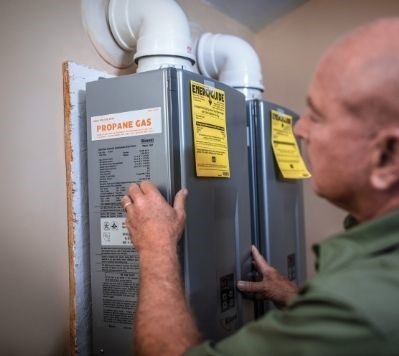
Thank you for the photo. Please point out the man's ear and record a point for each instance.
(385, 159)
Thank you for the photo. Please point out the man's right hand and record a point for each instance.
(273, 285)
(153, 225)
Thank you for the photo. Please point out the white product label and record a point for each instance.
(114, 232)
(126, 124)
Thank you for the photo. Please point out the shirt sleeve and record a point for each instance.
(314, 325)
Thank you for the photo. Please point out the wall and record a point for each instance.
(35, 38)
(290, 49)
(212, 20)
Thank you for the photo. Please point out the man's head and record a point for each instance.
(351, 128)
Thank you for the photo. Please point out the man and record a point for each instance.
(351, 131)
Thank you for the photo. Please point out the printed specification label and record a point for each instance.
(119, 286)
(112, 163)
(285, 148)
(126, 124)
(114, 232)
(210, 136)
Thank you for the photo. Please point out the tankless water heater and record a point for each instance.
(177, 129)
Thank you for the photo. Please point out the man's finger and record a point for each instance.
(250, 287)
(151, 190)
(180, 200)
(134, 192)
(126, 203)
(260, 262)
(147, 186)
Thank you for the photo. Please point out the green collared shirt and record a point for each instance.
(350, 308)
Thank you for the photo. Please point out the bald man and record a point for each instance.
(351, 132)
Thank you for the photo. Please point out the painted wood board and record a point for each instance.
(75, 77)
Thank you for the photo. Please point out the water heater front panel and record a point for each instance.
(217, 238)
(128, 140)
(278, 202)
(159, 145)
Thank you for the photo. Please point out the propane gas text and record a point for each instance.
(123, 125)
(126, 124)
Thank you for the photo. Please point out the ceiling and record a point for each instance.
(255, 14)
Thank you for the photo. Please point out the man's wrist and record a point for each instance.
(160, 257)
(160, 252)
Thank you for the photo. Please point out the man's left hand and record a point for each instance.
(273, 286)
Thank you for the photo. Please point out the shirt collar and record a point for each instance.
(368, 238)
(349, 222)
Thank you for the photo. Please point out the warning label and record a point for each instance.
(114, 232)
(285, 148)
(210, 136)
(126, 124)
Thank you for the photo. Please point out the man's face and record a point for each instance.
(337, 144)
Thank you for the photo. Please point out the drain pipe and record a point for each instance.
(157, 30)
(232, 61)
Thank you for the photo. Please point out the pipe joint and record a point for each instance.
(152, 29)
(231, 60)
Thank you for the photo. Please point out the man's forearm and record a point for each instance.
(164, 325)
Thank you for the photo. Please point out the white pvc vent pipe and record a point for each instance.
(232, 61)
(157, 30)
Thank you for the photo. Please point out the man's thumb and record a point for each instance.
(248, 286)
(180, 200)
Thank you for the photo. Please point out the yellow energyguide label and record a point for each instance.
(208, 106)
(285, 147)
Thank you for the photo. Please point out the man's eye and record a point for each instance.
(313, 117)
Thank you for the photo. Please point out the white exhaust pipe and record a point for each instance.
(157, 30)
(232, 61)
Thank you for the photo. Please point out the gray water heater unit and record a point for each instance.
(276, 203)
(177, 129)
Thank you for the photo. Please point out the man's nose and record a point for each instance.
(299, 128)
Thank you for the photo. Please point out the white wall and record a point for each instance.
(290, 49)
(35, 38)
